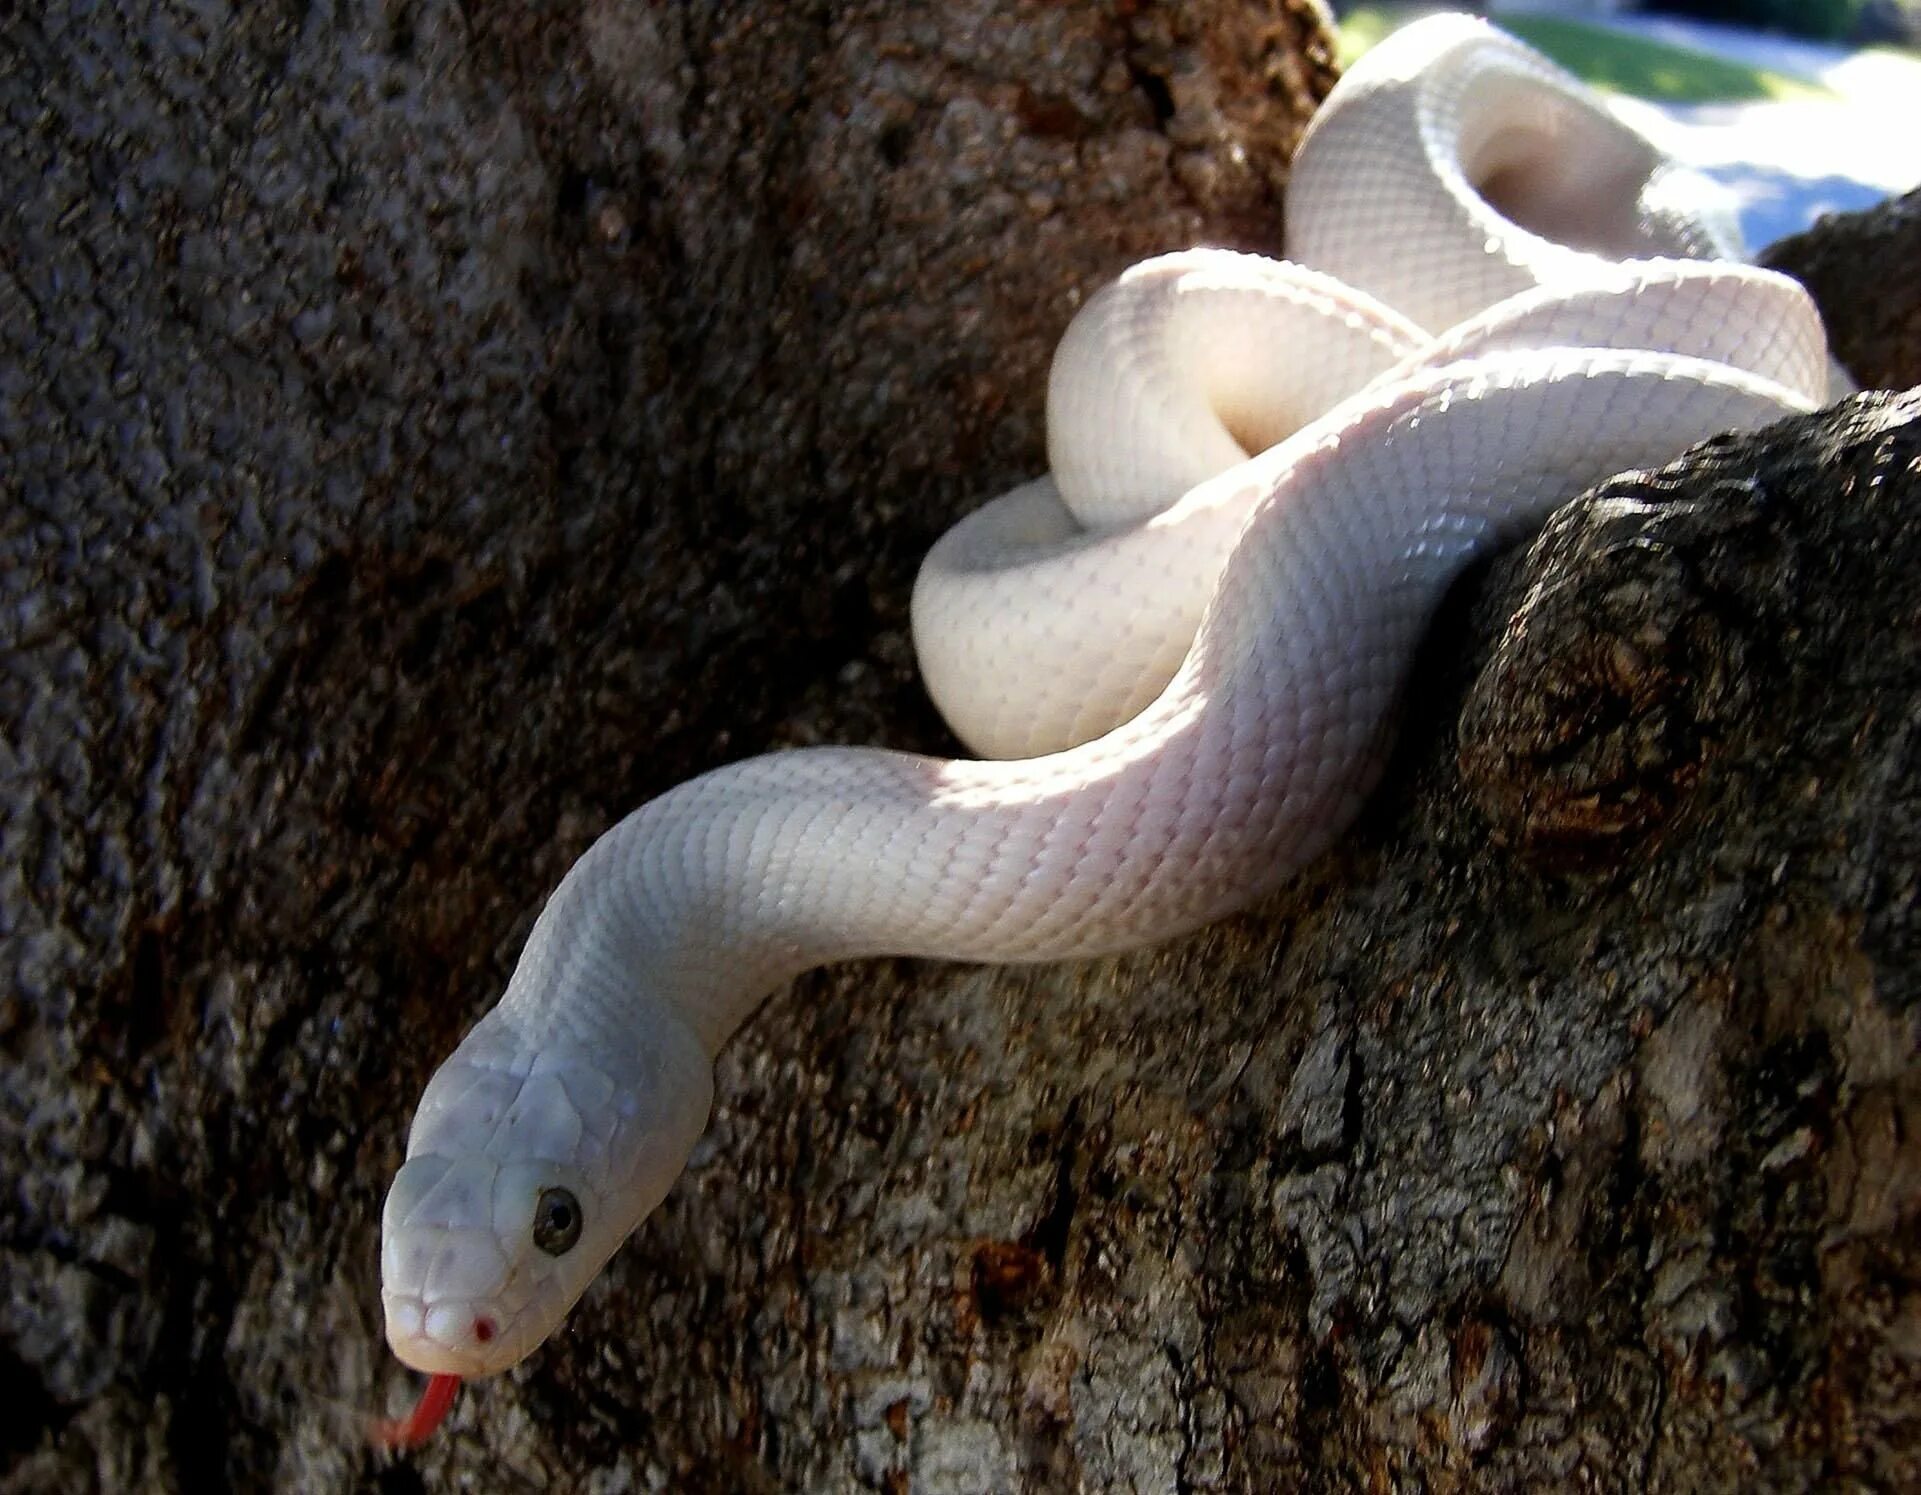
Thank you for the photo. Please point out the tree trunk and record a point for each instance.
(430, 431)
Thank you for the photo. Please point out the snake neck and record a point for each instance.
(721, 891)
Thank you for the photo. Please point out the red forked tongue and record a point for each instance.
(402, 1433)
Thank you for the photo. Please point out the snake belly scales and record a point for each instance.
(1176, 654)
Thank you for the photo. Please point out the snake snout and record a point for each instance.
(442, 1267)
(449, 1337)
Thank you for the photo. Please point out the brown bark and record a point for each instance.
(1860, 267)
(430, 432)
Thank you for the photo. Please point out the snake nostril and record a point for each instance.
(483, 1329)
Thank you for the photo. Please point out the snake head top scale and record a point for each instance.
(527, 1166)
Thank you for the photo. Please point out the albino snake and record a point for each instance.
(1192, 651)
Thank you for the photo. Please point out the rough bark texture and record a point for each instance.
(428, 433)
(1861, 268)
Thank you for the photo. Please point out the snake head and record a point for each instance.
(532, 1157)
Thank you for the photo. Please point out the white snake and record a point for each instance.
(1190, 638)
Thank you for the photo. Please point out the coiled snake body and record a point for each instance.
(1183, 645)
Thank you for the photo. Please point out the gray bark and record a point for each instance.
(429, 433)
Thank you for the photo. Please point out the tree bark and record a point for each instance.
(1860, 267)
(431, 431)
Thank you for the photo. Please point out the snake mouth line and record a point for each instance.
(467, 1340)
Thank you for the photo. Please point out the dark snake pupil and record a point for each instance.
(556, 1221)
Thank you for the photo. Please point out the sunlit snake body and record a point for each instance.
(1264, 480)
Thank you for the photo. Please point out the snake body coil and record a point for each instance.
(1264, 478)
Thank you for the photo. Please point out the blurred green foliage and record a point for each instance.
(1825, 20)
(1606, 59)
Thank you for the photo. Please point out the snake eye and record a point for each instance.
(556, 1221)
